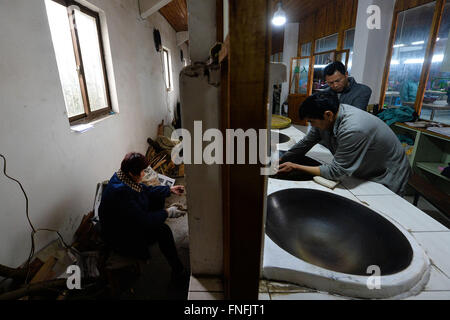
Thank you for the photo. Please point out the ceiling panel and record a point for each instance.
(297, 10)
(176, 14)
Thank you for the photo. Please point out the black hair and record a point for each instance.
(316, 105)
(333, 67)
(134, 163)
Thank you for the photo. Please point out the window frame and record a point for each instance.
(88, 115)
(430, 47)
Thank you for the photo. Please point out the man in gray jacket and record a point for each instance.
(363, 146)
(348, 90)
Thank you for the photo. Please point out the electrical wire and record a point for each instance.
(34, 230)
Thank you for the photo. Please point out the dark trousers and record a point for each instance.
(164, 236)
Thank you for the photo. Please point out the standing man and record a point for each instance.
(348, 90)
(363, 146)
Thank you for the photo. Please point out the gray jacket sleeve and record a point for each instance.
(303, 146)
(353, 146)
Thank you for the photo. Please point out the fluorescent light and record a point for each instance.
(320, 66)
(436, 58)
(413, 61)
(399, 45)
(418, 42)
(395, 62)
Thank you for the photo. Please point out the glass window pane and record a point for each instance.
(436, 103)
(320, 62)
(166, 69)
(408, 55)
(65, 57)
(327, 43)
(306, 49)
(92, 60)
(348, 44)
(299, 72)
(341, 56)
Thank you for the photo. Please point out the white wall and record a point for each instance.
(202, 28)
(290, 50)
(201, 101)
(370, 47)
(59, 169)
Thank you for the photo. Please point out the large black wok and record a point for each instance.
(335, 233)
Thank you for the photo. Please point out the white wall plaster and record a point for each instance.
(370, 47)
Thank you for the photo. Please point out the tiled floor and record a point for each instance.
(205, 288)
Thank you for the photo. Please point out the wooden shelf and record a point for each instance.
(432, 167)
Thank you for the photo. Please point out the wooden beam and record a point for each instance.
(149, 7)
(248, 75)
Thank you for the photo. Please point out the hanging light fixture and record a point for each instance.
(279, 17)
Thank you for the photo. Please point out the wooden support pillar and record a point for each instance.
(247, 90)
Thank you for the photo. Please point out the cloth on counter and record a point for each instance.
(393, 115)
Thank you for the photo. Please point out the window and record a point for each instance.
(306, 49)
(436, 102)
(167, 69)
(299, 73)
(348, 44)
(76, 36)
(408, 55)
(327, 44)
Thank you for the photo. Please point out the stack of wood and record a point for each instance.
(45, 276)
(160, 160)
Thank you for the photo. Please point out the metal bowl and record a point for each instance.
(335, 233)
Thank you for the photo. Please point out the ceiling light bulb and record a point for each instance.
(279, 18)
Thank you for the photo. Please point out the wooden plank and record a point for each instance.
(45, 273)
(330, 24)
(320, 23)
(225, 123)
(345, 11)
(176, 14)
(248, 98)
(223, 54)
(219, 19)
(294, 103)
(354, 15)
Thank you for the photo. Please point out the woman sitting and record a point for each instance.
(132, 215)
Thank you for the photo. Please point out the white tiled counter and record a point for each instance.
(431, 235)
